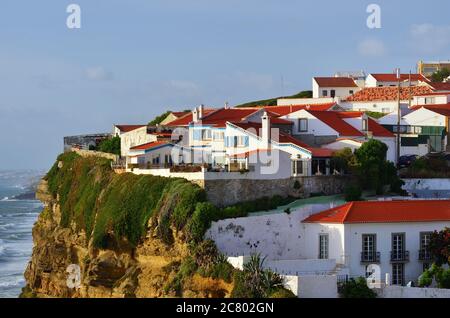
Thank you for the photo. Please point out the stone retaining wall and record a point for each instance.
(228, 192)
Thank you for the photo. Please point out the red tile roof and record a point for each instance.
(335, 82)
(221, 116)
(285, 138)
(392, 77)
(444, 108)
(149, 145)
(180, 114)
(186, 119)
(127, 128)
(439, 86)
(333, 120)
(378, 130)
(387, 93)
(284, 110)
(385, 212)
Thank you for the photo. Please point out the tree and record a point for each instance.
(371, 158)
(158, 119)
(440, 75)
(344, 160)
(111, 145)
(440, 246)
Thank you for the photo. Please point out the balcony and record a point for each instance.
(424, 255)
(399, 256)
(370, 257)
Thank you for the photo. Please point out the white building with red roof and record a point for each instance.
(334, 87)
(390, 237)
(337, 130)
(391, 80)
(354, 239)
(132, 135)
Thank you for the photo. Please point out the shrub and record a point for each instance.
(201, 220)
(426, 279)
(110, 145)
(254, 281)
(357, 288)
(353, 193)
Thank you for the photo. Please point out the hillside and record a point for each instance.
(129, 236)
(273, 101)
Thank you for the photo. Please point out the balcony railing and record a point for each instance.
(370, 257)
(399, 256)
(424, 255)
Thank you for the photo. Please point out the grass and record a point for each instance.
(273, 101)
(109, 207)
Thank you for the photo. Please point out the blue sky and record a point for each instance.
(133, 59)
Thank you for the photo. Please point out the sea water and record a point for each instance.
(16, 221)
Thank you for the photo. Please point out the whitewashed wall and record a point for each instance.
(412, 292)
(277, 236)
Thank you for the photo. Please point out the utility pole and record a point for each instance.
(398, 114)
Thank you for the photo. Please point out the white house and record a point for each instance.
(390, 80)
(390, 237)
(423, 130)
(386, 236)
(331, 87)
(329, 128)
(132, 135)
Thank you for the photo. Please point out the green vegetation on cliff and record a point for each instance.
(119, 210)
(111, 206)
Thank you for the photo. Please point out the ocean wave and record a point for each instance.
(5, 199)
(11, 281)
(2, 247)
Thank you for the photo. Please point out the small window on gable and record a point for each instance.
(302, 124)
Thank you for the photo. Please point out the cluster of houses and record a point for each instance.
(303, 132)
(297, 138)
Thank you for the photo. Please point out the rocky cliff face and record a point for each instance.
(117, 271)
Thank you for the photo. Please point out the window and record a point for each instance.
(368, 247)
(398, 247)
(364, 125)
(218, 136)
(241, 141)
(325, 93)
(302, 124)
(332, 93)
(398, 274)
(429, 100)
(206, 134)
(323, 246)
(297, 167)
(424, 252)
(350, 92)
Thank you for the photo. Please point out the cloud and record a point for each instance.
(371, 48)
(98, 73)
(429, 38)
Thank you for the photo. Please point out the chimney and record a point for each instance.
(265, 127)
(201, 109)
(226, 105)
(195, 115)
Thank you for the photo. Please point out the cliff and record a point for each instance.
(130, 236)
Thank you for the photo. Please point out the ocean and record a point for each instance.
(17, 217)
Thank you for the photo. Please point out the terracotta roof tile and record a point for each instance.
(387, 93)
(128, 128)
(335, 82)
(385, 212)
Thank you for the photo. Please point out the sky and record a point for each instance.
(134, 59)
